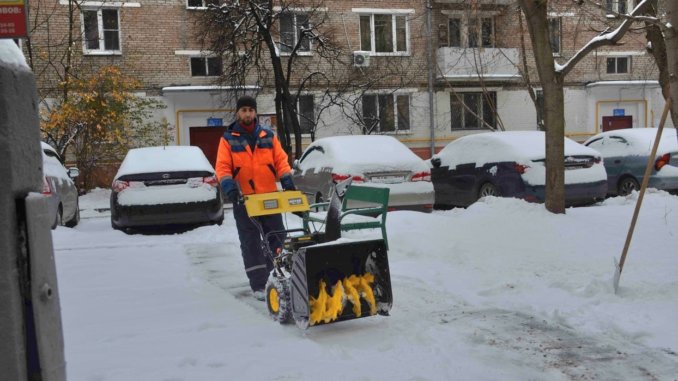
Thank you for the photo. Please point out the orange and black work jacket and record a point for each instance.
(255, 169)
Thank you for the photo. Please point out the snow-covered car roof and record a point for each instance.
(492, 147)
(641, 139)
(361, 153)
(164, 159)
(51, 166)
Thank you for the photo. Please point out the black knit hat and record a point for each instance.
(246, 100)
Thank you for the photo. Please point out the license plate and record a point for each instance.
(387, 179)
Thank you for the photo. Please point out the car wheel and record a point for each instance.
(58, 218)
(488, 189)
(76, 218)
(627, 185)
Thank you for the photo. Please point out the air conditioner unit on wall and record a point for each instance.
(361, 59)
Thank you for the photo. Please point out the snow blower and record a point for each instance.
(318, 277)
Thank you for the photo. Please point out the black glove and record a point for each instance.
(230, 189)
(287, 183)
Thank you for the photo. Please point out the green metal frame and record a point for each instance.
(376, 206)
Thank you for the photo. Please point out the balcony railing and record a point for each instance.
(497, 64)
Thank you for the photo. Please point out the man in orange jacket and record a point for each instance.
(250, 160)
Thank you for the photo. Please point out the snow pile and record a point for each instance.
(502, 290)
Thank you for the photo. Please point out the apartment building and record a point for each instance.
(474, 73)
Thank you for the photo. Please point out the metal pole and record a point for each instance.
(429, 47)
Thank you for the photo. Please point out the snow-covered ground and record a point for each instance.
(502, 290)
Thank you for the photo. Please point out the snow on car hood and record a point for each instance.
(164, 159)
(490, 147)
(366, 153)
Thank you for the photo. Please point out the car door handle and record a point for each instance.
(617, 161)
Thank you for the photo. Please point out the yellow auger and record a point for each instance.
(317, 277)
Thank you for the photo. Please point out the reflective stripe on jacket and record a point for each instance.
(255, 171)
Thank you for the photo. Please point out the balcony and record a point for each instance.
(464, 64)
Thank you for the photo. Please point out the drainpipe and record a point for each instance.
(429, 48)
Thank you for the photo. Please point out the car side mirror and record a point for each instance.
(435, 162)
(73, 172)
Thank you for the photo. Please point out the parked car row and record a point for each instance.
(512, 164)
(178, 185)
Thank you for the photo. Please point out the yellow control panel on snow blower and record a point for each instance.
(275, 202)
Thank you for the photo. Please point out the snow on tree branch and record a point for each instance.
(604, 39)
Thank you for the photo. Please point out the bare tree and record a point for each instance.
(255, 49)
(660, 18)
(552, 76)
(244, 34)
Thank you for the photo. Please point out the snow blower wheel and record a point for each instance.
(278, 299)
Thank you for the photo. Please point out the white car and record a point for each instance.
(59, 187)
(160, 186)
(373, 160)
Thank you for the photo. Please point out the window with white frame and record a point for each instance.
(200, 3)
(618, 65)
(386, 112)
(473, 110)
(384, 33)
(206, 66)
(614, 7)
(101, 30)
(470, 32)
(292, 26)
(555, 34)
(306, 113)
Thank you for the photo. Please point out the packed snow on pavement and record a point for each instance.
(503, 290)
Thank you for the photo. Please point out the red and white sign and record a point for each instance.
(13, 19)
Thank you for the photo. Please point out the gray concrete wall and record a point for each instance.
(20, 173)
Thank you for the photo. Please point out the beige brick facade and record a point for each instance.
(157, 37)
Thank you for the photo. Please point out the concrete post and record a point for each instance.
(26, 254)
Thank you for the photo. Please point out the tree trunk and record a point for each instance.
(554, 115)
(671, 39)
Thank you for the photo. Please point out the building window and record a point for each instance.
(101, 29)
(454, 33)
(614, 7)
(292, 26)
(384, 33)
(206, 66)
(386, 112)
(470, 33)
(200, 3)
(476, 112)
(618, 65)
(306, 113)
(555, 34)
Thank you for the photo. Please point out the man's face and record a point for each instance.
(246, 114)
